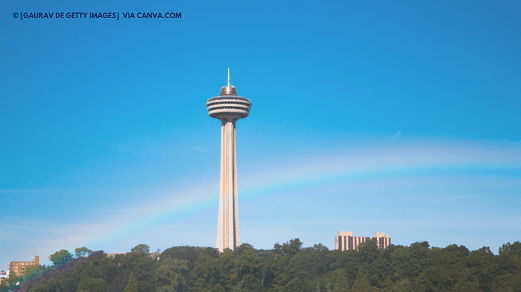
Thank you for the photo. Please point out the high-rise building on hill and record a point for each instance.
(19, 267)
(346, 240)
(228, 107)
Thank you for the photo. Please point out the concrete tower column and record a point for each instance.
(228, 108)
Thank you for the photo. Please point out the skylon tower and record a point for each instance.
(228, 107)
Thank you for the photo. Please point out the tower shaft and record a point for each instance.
(228, 234)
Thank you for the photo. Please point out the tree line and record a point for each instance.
(286, 267)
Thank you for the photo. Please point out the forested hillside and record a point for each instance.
(286, 267)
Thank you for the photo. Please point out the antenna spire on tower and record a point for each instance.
(228, 77)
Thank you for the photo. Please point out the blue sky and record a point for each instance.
(367, 116)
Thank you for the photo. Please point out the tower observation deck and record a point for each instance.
(228, 107)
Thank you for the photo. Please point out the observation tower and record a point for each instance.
(228, 107)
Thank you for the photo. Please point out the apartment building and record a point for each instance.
(19, 267)
(346, 240)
